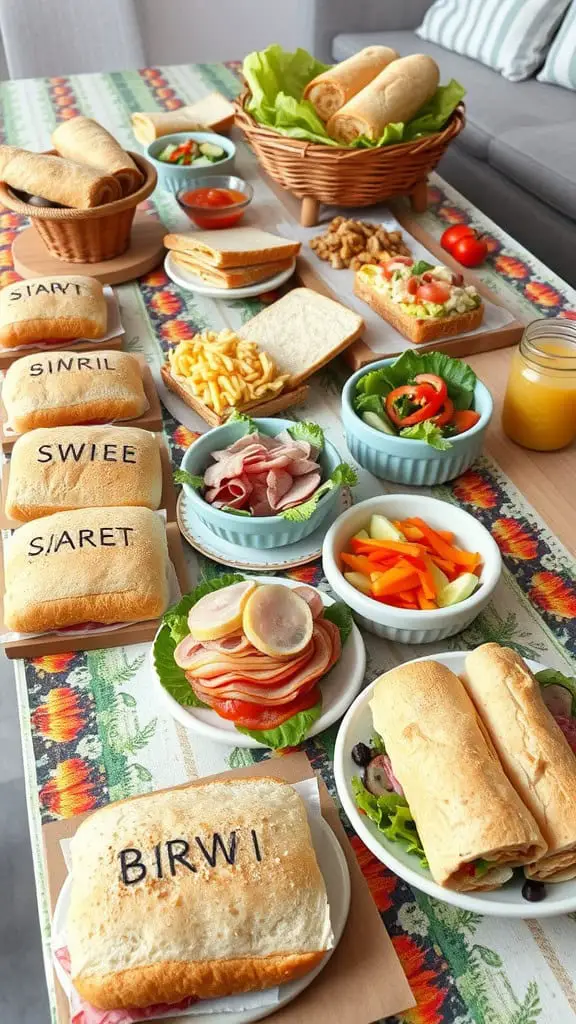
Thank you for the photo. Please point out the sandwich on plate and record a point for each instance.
(229, 277)
(233, 247)
(533, 749)
(422, 301)
(94, 565)
(55, 469)
(433, 782)
(205, 891)
(55, 389)
(62, 307)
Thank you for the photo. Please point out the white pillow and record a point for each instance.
(510, 36)
(560, 66)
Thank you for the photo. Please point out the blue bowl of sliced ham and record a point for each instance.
(252, 479)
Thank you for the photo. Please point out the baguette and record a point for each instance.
(333, 88)
(233, 247)
(418, 331)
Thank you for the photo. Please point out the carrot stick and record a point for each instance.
(394, 581)
(364, 547)
(448, 567)
(446, 535)
(452, 554)
(427, 582)
(359, 563)
(423, 601)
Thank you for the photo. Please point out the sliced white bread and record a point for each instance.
(233, 277)
(303, 331)
(233, 247)
(418, 331)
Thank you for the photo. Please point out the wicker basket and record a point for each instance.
(318, 174)
(86, 236)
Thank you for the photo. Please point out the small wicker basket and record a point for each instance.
(86, 236)
(316, 173)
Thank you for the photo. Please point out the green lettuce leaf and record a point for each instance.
(290, 733)
(427, 431)
(277, 79)
(182, 476)
(343, 475)
(460, 378)
(235, 511)
(391, 814)
(368, 403)
(309, 432)
(240, 417)
(340, 614)
(377, 744)
(551, 677)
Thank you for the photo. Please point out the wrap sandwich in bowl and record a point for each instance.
(472, 824)
(534, 752)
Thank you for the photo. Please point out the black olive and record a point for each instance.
(361, 755)
(533, 891)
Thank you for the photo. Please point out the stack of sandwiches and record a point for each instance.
(232, 257)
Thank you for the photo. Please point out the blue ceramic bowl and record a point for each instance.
(255, 531)
(173, 177)
(412, 462)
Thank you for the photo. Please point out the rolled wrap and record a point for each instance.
(464, 807)
(396, 94)
(212, 113)
(333, 88)
(87, 142)
(61, 181)
(533, 750)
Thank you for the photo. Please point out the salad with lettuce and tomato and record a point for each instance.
(426, 396)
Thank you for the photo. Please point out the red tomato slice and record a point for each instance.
(412, 285)
(436, 291)
(254, 716)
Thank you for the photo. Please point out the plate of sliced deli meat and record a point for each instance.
(258, 661)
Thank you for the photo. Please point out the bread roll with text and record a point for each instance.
(216, 885)
(102, 565)
(333, 88)
(465, 809)
(62, 306)
(536, 755)
(396, 94)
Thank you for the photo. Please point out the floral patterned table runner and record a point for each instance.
(94, 728)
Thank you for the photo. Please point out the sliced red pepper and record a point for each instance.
(424, 395)
(445, 415)
(435, 381)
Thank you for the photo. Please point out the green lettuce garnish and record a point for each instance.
(307, 431)
(459, 377)
(240, 417)
(277, 80)
(236, 511)
(343, 476)
(291, 733)
(340, 614)
(182, 476)
(391, 814)
(551, 677)
(420, 267)
(429, 432)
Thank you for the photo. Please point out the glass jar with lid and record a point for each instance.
(540, 402)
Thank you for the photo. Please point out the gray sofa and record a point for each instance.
(516, 158)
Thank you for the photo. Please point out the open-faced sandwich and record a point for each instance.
(254, 653)
(475, 776)
(199, 892)
(422, 301)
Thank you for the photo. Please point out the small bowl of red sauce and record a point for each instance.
(217, 201)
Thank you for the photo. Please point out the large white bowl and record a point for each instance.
(357, 727)
(401, 624)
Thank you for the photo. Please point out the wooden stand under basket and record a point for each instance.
(345, 177)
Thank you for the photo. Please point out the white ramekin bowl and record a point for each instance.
(401, 624)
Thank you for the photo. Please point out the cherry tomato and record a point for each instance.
(470, 251)
(436, 291)
(412, 285)
(454, 234)
(464, 419)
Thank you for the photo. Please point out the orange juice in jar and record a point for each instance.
(540, 402)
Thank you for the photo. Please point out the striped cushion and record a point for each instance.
(510, 36)
(560, 66)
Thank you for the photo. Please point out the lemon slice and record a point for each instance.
(220, 613)
(277, 621)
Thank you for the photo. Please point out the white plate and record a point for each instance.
(339, 688)
(334, 869)
(207, 543)
(506, 902)
(186, 279)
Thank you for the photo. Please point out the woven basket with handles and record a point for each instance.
(86, 236)
(345, 177)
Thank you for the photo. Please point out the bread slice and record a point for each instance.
(233, 247)
(233, 277)
(418, 331)
(303, 331)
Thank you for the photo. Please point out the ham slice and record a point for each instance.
(312, 598)
(302, 488)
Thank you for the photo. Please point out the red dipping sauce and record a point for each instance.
(214, 207)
